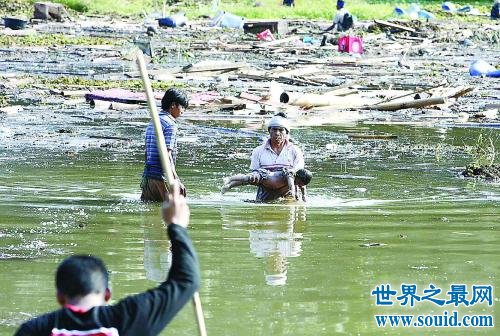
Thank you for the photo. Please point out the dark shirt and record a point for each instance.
(146, 313)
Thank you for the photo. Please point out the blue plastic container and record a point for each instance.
(482, 68)
(399, 11)
(172, 21)
(14, 23)
(232, 21)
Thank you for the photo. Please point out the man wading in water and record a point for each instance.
(173, 104)
(275, 154)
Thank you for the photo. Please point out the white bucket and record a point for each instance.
(231, 21)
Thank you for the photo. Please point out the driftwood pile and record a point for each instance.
(409, 72)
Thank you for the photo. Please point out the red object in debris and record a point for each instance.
(266, 35)
(351, 44)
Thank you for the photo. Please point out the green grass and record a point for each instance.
(80, 82)
(321, 9)
(56, 39)
(268, 9)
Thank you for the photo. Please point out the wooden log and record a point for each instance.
(411, 38)
(340, 92)
(460, 92)
(318, 100)
(422, 90)
(394, 25)
(297, 81)
(213, 67)
(417, 103)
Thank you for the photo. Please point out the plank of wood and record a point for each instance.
(417, 103)
(394, 25)
(213, 67)
(251, 97)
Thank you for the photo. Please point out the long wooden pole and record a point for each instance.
(167, 168)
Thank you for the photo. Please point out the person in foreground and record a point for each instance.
(83, 290)
(173, 104)
(291, 184)
(275, 154)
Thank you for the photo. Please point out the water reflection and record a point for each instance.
(274, 235)
(157, 252)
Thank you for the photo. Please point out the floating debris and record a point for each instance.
(372, 245)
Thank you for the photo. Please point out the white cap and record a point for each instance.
(279, 121)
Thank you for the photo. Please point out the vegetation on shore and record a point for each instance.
(56, 39)
(265, 9)
(76, 82)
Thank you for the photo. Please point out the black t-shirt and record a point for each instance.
(146, 313)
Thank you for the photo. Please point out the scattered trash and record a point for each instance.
(232, 21)
(266, 35)
(350, 44)
(227, 20)
(176, 20)
(466, 42)
(309, 40)
(120, 96)
(482, 68)
(372, 245)
(201, 98)
(414, 12)
(450, 7)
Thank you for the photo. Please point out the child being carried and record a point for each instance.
(284, 182)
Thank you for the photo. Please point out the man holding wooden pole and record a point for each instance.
(153, 187)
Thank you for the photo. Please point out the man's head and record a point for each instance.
(80, 275)
(174, 101)
(279, 120)
(279, 128)
(303, 177)
(340, 4)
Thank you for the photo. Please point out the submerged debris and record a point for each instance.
(491, 172)
(372, 245)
